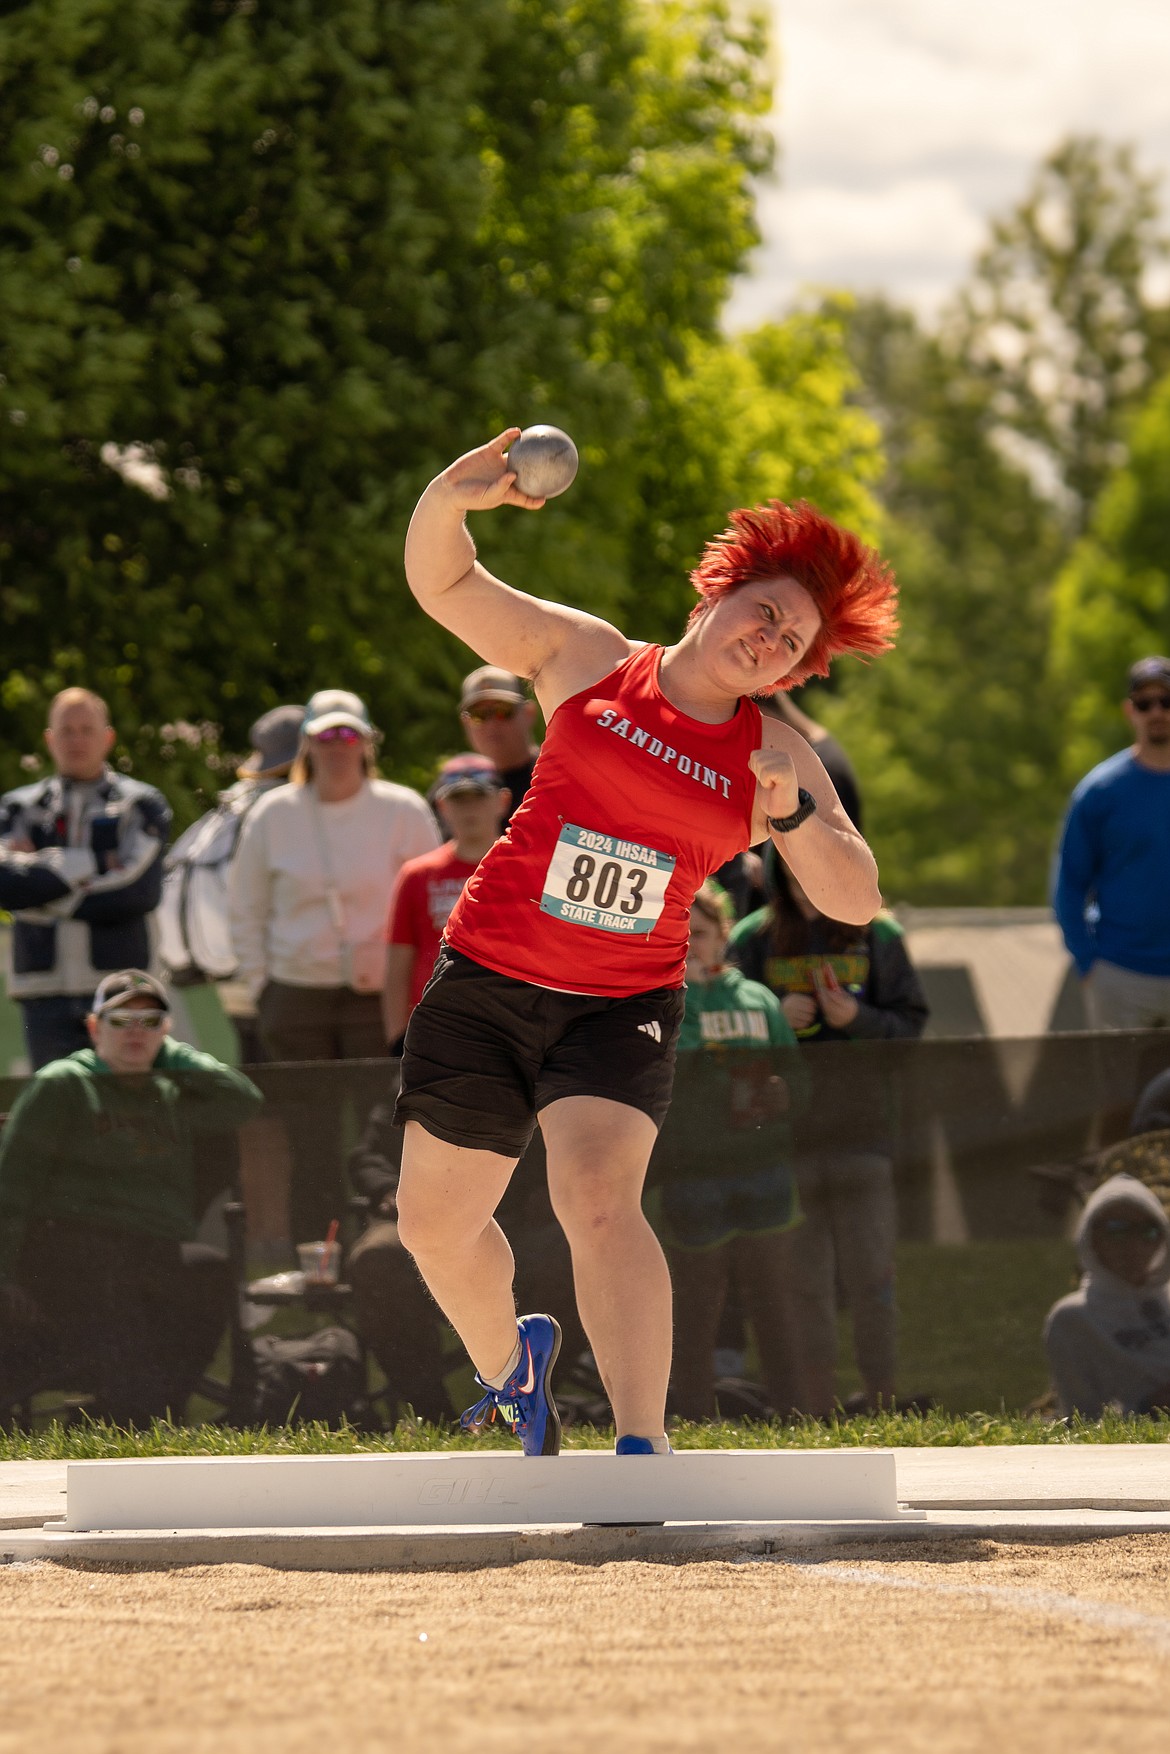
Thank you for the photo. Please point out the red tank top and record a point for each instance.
(632, 806)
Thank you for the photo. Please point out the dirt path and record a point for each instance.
(941, 1648)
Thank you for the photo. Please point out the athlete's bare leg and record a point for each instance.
(446, 1198)
(598, 1151)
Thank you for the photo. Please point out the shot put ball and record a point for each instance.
(545, 461)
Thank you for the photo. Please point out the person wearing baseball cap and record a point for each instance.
(275, 739)
(498, 718)
(194, 928)
(309, 890)
(1112, 885)
(394, 1311)
(472, 803)
(101, 1284)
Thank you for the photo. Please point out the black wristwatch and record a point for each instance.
(806, 805)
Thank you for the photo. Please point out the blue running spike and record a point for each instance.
(525, 1402)
(636, 1446)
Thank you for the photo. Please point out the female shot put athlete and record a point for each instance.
(557, 993)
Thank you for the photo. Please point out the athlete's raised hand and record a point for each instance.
(481, 480)
(776, 776)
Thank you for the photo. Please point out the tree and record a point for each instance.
(1111, 603)
(954, 733)
(766, 416)
(278, 265)
(1058, 319)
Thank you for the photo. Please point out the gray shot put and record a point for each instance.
(545, 461)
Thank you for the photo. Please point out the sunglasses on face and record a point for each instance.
(1149, 701)
(1146, 1228)
(136, 1019)
(490, 710)
(338, 734)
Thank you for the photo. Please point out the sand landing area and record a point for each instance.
(946, 1646)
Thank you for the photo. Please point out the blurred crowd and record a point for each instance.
(318, 891)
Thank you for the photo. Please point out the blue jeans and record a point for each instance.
(54, 1027)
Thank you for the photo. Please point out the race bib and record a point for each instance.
(602, 881)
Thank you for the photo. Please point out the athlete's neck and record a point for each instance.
(686, 685)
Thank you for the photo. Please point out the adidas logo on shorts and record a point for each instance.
(653, 1030)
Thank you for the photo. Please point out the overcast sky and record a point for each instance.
(903, 124)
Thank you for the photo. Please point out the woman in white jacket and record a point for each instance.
(310, 891)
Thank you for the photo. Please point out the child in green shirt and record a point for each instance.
(727, 1188)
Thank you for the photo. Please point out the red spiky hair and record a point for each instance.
(852, 587)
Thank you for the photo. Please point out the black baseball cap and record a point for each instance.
(1149, 672)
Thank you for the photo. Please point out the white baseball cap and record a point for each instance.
(335, 706)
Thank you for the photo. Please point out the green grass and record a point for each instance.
(970, 1320)
(88, 1441)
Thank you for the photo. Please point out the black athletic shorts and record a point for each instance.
(485, 1053)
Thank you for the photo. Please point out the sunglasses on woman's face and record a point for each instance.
(1149, 701)
(495, 711)
(338, 734)
(1147, 1228)
(136, 1019)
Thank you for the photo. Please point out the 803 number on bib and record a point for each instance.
(600, 880)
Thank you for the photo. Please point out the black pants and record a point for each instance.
(133, 1320)
(318, 1023)
(54, 1027)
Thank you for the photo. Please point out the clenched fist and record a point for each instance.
(779, 788)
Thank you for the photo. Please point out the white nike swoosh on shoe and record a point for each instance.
(526, 1388)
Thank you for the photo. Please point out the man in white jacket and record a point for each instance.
(1108, 1342)
(310, 888)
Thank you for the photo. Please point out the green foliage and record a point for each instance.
(997, 435)
(1057, 316)
(764, 416)
(288, 263)
(953, 733)
(1111, 603)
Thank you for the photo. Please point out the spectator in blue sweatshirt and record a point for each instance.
(1112, 887)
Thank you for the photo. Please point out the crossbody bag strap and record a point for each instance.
(333, 899)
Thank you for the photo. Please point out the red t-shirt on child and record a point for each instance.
(427, 889)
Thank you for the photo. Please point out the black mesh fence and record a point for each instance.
(845, 1220)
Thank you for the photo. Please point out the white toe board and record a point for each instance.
(431, 1490)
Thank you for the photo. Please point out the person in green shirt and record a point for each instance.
(842, 987)
(724, 1166)
(101, 1288)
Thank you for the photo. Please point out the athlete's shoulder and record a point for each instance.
(775, 734)
(885, 928)
(594, 651)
